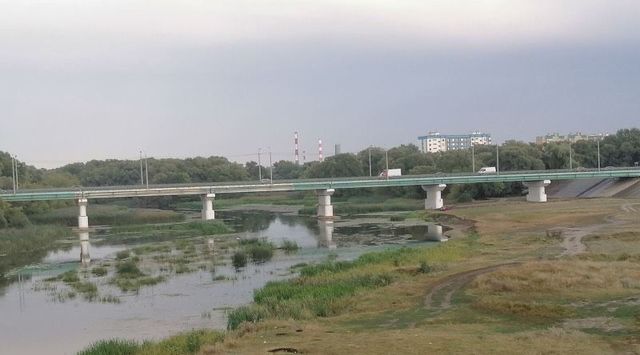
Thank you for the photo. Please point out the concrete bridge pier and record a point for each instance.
(434, 196)
(207, 207)
(536, 190)
(83, 220)
(325, 208)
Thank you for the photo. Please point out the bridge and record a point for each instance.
(536, 181)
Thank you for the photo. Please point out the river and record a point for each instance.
(35, 321)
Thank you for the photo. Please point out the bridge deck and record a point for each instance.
(311, 184)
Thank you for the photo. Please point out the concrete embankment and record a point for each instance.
(621, 188)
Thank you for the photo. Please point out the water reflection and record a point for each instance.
(325, 237)
(85, 259)
(435, 233)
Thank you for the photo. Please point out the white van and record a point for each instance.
(487, 170)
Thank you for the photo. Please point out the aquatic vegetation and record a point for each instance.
(123, 254)
(110, 347)
(99, 271)
(239, 259)
(128, 269)
(28, 245)
(260, 252)
(108, 215)
(289, 246)
(184, 343)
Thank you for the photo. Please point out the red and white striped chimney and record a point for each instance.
(320, 156)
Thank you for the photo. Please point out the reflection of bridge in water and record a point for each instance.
(85, 259)
(306, 232)
(325, 235)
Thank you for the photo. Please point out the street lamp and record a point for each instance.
(497, 159)
(386, 158)
(14, 170)
(370, 172)
(146, 170)
(570, 159)
(259, 166)
(270, 167)
(598, 154)
(141, 173)
(473, 158)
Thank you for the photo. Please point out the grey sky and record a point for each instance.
(91, 79)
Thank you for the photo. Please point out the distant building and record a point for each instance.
(569, 138)
(436, 142)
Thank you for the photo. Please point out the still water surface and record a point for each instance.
(34, 322)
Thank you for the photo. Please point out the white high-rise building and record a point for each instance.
(435, 142)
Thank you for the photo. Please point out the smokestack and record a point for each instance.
(336, 149)
(320, 157)
(295, 142)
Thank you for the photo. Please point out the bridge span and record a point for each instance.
(536, 181)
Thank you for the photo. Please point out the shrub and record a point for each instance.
(99, 271)
(260, 252)
(128, 269)
(424, 267)
(289, 246)
(123, 254)
(112, 347)
(239, 259)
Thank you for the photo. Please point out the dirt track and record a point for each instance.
(440, 294)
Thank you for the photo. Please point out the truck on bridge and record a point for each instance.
(390, 173)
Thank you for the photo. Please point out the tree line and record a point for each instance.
(620, 149)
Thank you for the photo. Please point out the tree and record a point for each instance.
(341, 165)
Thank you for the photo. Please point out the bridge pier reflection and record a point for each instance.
(85, 259)
(326, 234)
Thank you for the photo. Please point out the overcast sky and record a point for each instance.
(90, 79)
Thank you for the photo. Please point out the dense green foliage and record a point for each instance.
(185, 343)
(620, 149)
(24, 246)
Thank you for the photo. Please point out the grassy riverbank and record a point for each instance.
(510, 281)
(107, 215)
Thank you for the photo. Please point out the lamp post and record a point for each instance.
(386, 158)
(497, 159)
(598, 154)
(141, 173)
(370, 172)
(14, 171)
(146, 170)
(259, 167)
(270, 167)
(570, 158)
(473, 158)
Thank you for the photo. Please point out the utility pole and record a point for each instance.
(598, 154)
(473, 158)
(370, 172)
(386, 158)
(141, 174)
(17, 181)
(13, 173)
(259, 167)
(497, 159)
(146, 168)
(570, 160)
(270, 167)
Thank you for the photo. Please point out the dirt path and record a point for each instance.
(572, 237)
(439, 295)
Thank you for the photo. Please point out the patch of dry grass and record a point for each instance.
(561, 278)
